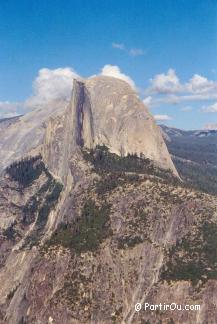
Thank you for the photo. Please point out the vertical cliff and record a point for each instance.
(86, 234)
(123, 123)
(106, 111)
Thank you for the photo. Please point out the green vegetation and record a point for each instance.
(10, 233)
(105, 162)
(199, 176)
(88, 232)
(72, 291)
(40, 206)
(49, 202)
(195, 158)
(135, 234)
(129, 242)
(33, 204)
(195, 257)
(188, 146)
(113, 180)
(27, 170)
(30, 209)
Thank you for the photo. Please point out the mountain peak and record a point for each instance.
(103, 110)
(110, 113)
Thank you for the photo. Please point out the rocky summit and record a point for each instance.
(94, 217)
(102, 111)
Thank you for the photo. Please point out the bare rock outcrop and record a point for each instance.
(87, 232)
(102, 111)
(123, 123)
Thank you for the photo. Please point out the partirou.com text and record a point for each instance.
(166, 307)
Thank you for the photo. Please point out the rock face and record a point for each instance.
(102, 110)
(89, 254)
(85, 233)
(112, 114)
(23, 135)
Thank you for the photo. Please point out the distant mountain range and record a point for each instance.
(194, 154)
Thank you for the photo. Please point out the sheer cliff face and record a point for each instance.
(112, 114)
(85, 235)
(102, 110)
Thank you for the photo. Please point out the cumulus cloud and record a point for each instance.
(52, 85)
(162, 117)
(167, 88)
(201, 85)
(166, 82)
(9, 109)
(210, 109)
(114, 71)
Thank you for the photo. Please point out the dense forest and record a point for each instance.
(26, 170)
(104, 162)
(195, 157)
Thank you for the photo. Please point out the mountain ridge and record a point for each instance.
(195, 155)
(88, 230)
(103, 110)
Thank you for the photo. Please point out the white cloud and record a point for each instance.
(170, 99)
(177, 99)
(162, 117)
(170, 83)
(166, 83)
(9, 109)
(52, 85)
(132, 51)
(198, 97)
(136, 52)
(147, 101)
(114, 71)
(9, 105)
(119, 46)
(201, 85)
(210, 109)
(167, 88)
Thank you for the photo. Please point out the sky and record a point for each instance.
(166, 50)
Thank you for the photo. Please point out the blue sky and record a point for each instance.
(172, 43)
